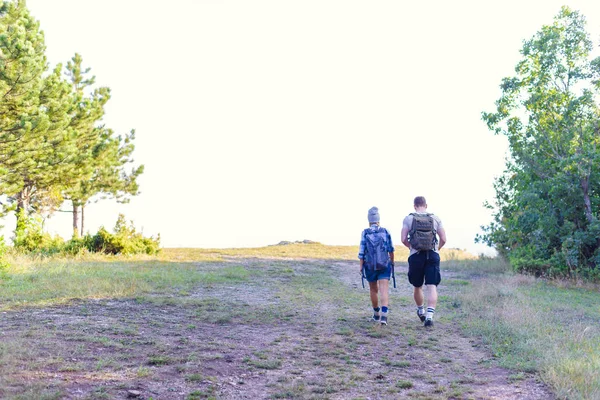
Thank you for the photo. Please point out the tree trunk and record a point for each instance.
(22, 203)
(75, 218)
(82, 218)
(585, 186)
(21, 213)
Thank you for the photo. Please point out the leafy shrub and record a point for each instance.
(562, 264)
(3, 262)
(124, 240)
(78, 245)
(30, 236)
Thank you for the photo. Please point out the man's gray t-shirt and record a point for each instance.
(437, 224)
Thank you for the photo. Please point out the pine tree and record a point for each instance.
(22, 63)
(52, 144)
(110, 178)
(102, 156)
(35, 140)
(86, 111)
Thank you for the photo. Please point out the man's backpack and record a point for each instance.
(422, 235)
(376, 254)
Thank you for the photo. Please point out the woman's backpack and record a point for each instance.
(376, 254)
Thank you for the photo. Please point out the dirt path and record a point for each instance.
(283, 336)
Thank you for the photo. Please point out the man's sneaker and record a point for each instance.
(428, 323)
(376, 317)
(421, 316)
(383, 320)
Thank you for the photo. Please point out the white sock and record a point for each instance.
(430, 311)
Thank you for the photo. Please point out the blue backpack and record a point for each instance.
(376, 254)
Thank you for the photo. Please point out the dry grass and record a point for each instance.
(54, 280)
(297, 251)
(536, 326)
(47, 281)
(294, 250)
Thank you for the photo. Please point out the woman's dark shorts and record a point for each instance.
(374, 275)
(424, 267)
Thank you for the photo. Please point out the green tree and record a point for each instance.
(35, 142)
(22, 63)
(86, 111)
(52, 146)
(102, 157)
(110, 177)
(545, 219)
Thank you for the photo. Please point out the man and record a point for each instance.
(419, 231)
(376, 256)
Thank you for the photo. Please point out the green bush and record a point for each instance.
(3, 262)
(124, 240)
(78, 245)
(560, 265)
(30, 236)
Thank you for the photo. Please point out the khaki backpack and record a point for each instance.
(422, 235)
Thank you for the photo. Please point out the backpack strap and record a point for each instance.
(412, 225)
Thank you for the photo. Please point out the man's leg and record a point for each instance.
(418, 296)
(432, 295)
(416, 277)
(420, 302)
(432, 279)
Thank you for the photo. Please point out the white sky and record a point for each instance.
(261, 121)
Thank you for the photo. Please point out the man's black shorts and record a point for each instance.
(424, 267)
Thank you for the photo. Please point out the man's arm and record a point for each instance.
(442, 234)
(404, 236)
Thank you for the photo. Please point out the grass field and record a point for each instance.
(550, 328)
(285, 322)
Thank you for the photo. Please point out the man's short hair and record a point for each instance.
(420, 201)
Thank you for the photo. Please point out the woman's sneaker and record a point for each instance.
(383, 319)
(428, 323)
(421, 316)
(376, 316)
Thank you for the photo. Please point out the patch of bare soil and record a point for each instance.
(256, 340)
